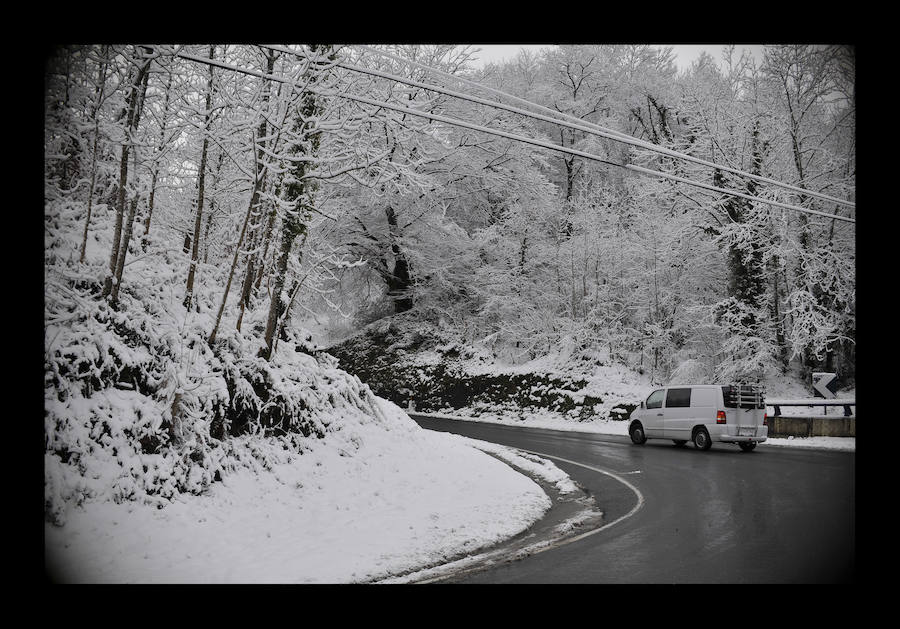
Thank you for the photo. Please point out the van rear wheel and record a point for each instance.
(701, 439)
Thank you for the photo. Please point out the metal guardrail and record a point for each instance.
(814, 402)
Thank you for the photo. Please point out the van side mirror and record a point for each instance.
(642, 403)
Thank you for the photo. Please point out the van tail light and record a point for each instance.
(765, 419)
(720, 417)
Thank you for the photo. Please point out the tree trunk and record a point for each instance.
(131, 123)
(267, 241)
(129, 222)
(237, 251)
(209, 217)
(259, 181)
(151, 201)
(399, 280)
(101, 83)
(162, 140)
(278, 305)
(212, 208)
(120, 264)
(299, 192)
(201, 185)
(247, 285)
(777, 322)
(253, 243)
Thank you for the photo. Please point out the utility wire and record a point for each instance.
(580, 124)
(511, 136)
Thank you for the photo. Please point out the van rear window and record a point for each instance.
(677, 398)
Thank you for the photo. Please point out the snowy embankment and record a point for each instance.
(405, 500)
(168, 459)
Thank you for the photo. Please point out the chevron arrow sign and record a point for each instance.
(825, 384)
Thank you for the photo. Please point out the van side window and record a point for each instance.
(655, 399)
(677, 398)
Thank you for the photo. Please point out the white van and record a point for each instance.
(702, 413)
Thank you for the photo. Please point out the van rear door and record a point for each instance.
(745, 409)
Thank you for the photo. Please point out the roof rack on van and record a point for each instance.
(742, 395)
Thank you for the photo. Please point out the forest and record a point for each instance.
(215, 215)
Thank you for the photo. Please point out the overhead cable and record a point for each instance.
(582, 125)
(511, 136)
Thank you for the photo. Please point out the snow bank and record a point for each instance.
(403, 501)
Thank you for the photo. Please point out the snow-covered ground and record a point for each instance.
(396, 505)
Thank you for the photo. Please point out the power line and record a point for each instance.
(580, 124)
(556, 147)
(511, 136)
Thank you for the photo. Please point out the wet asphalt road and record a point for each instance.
(774, 515)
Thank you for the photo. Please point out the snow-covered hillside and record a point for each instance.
(169, 460)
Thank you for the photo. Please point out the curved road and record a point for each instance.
(774, 515)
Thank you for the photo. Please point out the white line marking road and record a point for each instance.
(540, 547)
(635, 509)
